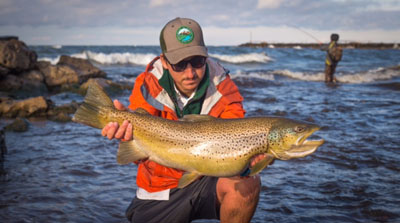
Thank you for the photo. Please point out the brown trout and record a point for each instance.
(200, 144)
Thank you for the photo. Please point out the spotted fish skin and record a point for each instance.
(200, 144)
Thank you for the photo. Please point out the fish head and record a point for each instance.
(288, 139)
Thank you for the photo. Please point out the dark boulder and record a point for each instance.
(27, 83)
(15, 55)
(18, 125)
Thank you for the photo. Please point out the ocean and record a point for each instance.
(67, 172)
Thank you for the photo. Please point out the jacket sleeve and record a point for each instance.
(233, 110)
(137, 99)
(231, 101)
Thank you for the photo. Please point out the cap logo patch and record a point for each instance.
(184, 35)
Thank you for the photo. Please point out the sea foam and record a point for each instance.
(109, 59)
(243, 58)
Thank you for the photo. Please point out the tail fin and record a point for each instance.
(89, 113)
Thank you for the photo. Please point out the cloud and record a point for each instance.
(269, 4)
(324, 16)
(158, 3)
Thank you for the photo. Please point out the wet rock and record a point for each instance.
(27, 83)
(62, 113)
(10, 82)
(3, 72)
(15, 55)
(6, 38)
(108, 85)
(56, 76)
(11, 108)
(21, 74)
(18, 125)
(84, 68)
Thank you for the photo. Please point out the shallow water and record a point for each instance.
(66, 172)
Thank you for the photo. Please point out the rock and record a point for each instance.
(27, 83)
(6, 38)
(36, 106)
(15, 55)
(56, 76)
(3, 72)
(18, 125)
(108, 85)
(60, 117)
(84, 68)
(10, 83)
(62, 113)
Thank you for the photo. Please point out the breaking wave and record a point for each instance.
(243, 58)
(111, 58)
(145, 58)
(382, 74)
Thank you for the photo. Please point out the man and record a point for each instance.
(333, 56)
(183, 80)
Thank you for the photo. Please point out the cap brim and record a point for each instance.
(176, 56)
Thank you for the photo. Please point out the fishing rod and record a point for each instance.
(308, 34)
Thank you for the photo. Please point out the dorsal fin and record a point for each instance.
(197, 118)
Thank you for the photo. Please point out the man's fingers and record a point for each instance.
(121, 130)
(105, 129)
(111, 131)
(128, 132)
(257, 158)
(118, 105)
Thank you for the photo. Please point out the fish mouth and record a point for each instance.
(303, 147)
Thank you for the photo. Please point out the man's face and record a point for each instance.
(189, 78)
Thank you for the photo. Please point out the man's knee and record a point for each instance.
(244, 188)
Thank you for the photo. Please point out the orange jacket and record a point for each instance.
(222, 100)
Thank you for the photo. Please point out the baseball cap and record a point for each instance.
(182, 38)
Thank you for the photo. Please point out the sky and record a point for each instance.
(224, 22)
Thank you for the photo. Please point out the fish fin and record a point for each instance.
(141, 111)
(260, 165)
(197, 118)
(129, 152)
(187, 179)
(89, 113)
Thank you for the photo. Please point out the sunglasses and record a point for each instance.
(196, 62)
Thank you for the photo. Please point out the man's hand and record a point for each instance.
(253, 162)
(256, 159)
(113, 130)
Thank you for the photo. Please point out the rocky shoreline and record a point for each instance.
(350, 45)
(27, 84)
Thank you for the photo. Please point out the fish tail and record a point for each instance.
(91, 112)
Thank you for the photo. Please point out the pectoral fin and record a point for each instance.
(188, 178)
(129, 152)
(260, 165)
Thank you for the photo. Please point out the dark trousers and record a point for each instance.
(329, 72)
(198, 200)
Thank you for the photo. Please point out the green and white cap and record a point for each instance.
(182, 38)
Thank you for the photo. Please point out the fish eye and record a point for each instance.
(299, 129)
